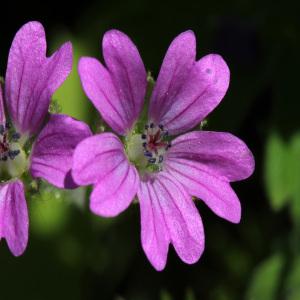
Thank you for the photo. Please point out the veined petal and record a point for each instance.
(219, 153)
(97, 156)
(31, 77)
(173, 74)
(176, 216)
(2, 112)
(114, 192)
(14, 216)
(154, 233)
(199, 94)
(52, 153)
(117, 91)
(215, 192)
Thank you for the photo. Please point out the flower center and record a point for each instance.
(13, 160)
(147, 150)
(155, 143)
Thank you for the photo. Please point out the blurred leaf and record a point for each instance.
(292, 288)
(165, 295)
(265, 281)
(49, 212)
(70, 95)
(294, 169)
(190, 294)
(277, 184)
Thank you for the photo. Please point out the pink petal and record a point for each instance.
(97, 156)
(154, 233)
(221, 154)
(173, 74)
(114, 192)
(175, 216)
(101, 160)
(2, 112)
(200, 92)
(214, 191)
(205, 162)
(52, 153)
(14, 216)
(31, 77)
(117, 92)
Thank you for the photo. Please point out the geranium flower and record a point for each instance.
(164, 171)
(31, 79)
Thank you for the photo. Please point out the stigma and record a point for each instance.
(155, 143)
(7, 136)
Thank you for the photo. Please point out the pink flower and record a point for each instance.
(31, 79)
(163, 173)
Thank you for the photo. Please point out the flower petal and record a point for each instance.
(95, 157)
(174, 71)
(154, 233)
(101, 160)
(219, 153)
(31, 77)
(2, 112)
(14, 216)
(201, 92)
(181, 219)
(52, 153)
(215, 192)
(114, 192)
(117, 92)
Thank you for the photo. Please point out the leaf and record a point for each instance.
(266, 279)
(165, 295)
(276, 182)
(292, 287)
(294, 170)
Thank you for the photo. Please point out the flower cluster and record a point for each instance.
(150, 156)
(31, 139)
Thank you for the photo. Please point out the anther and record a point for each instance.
(15, 136)
(161, 127)
(151, 125)
(4, 158)
(146, 126)
(147, 153)
(144, 144)
(160, 159)
(152, 160)
(7, 125)
(13, 153)
(143, 136)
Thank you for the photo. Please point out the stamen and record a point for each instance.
(15, 136)
(152, 160)
(155, 144)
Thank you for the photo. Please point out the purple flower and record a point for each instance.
(31, 79)
(162, 169)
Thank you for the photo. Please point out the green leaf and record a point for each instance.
(276, 181)
(266, 279)
(294, 170)
(49, 212)
(292, 287)
(165, 295)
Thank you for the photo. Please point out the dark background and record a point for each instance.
(75, 255)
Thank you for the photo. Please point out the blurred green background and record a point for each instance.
(75, 255)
